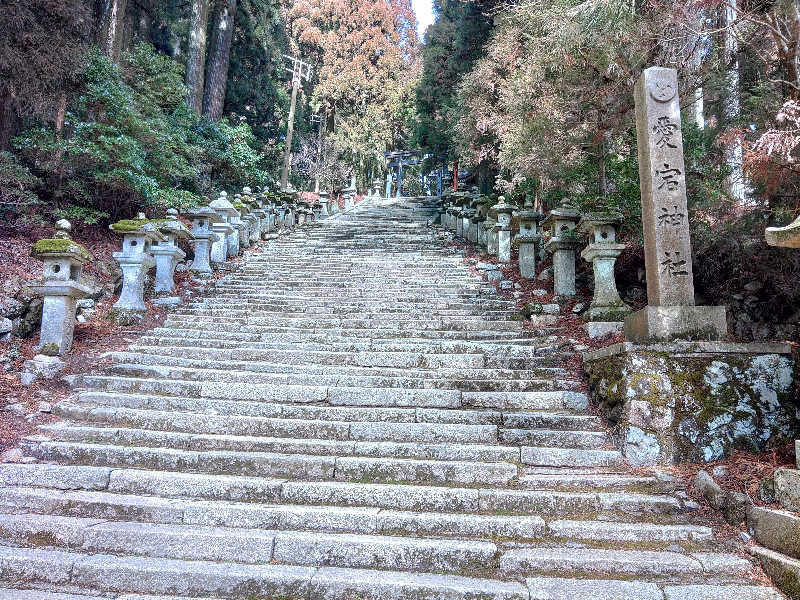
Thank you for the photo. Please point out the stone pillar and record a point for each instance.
(670, 313)
(60, 288)
(167, 254)
(529, 238)
(202, 221)
(135, 259)
(388, 185)
(503, 230)
(562, 244)
(602, 252)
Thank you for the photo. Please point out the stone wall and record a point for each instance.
(694, 401)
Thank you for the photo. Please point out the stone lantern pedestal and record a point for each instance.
(135, 259)
(529, 238)
(562, 244)
(503, 230)
(167, 254)
(602, 252)
(203, 220)
(60, 288)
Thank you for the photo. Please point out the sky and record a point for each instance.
(424, 11)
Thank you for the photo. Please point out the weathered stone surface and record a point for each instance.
(784, 571)
(693, 401)
(546, 588)
(787, 488)
(720, 592)
(776, 529)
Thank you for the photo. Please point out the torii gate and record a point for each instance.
(398, 160)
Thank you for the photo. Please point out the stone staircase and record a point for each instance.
(351, 415)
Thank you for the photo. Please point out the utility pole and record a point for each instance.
(321, 120)
(299, 70)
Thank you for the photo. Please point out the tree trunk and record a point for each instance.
(219, 55)
(196, 58)
(731, 105)
(112, 19)
(9, 120)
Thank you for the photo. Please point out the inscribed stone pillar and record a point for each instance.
(670, 313)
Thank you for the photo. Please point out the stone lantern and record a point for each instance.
(503, 229)
(167, 254)
(202, 221)
(135, 259)
(60, 288)
(323, 205)
(239, 221)
(349, 196)
(489, 229)
(377, 183)
(529, 238)
(253, 217)
(459, 200)
(229, 215)
(602, 252)
(481, 215)
(261, 213)
(282, 208)
(563, 241)
(447, 202)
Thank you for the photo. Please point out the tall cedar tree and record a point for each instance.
(110, 34)
(196, 57)
(219, 55)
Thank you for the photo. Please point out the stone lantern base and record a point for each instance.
(58, 314)
(669, 323)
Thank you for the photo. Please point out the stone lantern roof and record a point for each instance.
(172, 226)
(222, 204)
(60, 245)
(593, 220)
(205, 212)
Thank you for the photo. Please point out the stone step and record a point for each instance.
(783, 570)
(123, 574)
(235, 373)
(341, 396)
(170, 356)
(208, 442)
(324, 496)
(613, 562)
(366, 520)
(247, 546)
(273, 464)
(359, 431)
(555, 588)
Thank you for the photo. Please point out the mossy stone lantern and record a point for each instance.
(167, 254)
(203, 220)
(136, 258)
(60, 288)
(563, 241)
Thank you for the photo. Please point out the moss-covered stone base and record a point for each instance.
(694, 401)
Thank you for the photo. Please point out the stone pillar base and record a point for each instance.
(694, 401)
(670, 323)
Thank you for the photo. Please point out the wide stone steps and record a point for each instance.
(357, 431)
(352, 413)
